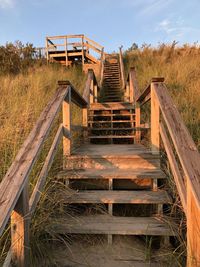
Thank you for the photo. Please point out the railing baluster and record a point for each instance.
(67, 125)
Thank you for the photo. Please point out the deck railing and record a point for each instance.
(70, 43)
(121, 62)
(16, 207)
(183, 157)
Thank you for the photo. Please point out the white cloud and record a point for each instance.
(4, 4)
(177, 29)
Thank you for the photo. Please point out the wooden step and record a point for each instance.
(115, 121)
(112, 173)
(106, 224)
(111, 106)
(112, 129)
(116, 196)
(111, 115)
(111, 136)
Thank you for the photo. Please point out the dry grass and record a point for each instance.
(180, 67)
(23, 97)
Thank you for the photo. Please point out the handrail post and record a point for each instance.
(85, 124)
(83, 56)
(66, 51)
(67, 125)
(20, 230)
(47, 50)
(137, 123)
(121, 67)
(155, 122)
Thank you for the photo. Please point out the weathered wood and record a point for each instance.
(17, 175)
(20, 230)
(85, 124)
(145, 96)
(155, 123)
(185, 147)
(121, 63)
(133, 86)
(193, 229)
(93, 42)
(181, 187)
(45, 169)
(87, 89)
(113, 173)
(66, 111)
(120, 197)
(137, 123)
(105, 224)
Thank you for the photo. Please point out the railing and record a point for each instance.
(121, 62)
(70, 43)
(16, 207)
(183, 156)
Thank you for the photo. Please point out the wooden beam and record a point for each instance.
(133, 86)
(20, 230)
(155, 123)
(67, 126)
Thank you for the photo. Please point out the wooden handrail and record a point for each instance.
(131, 89)
(101, 67)
(15, 203)
(166, 123)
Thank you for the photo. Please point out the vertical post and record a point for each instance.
(193, 226)
(137, 123)
(127, 95)
(67, 125)
(131, 89)
(155, 123)
(92, 91)
(20, 230)
(83, 57)
(95, 93)
(66, 52)
(85, 124)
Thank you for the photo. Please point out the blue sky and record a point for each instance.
(110, 22)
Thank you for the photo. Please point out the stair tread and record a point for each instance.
(111, 129)
(113, 173)
(116, 196)
(104, 106)
(112, 115)
(107, 224)
(110, 136)
(115, 121)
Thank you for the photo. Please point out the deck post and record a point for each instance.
(20, 230)
(83, 57)
(67, 125)
(155, 122)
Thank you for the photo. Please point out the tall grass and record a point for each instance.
(23, 97)
(180, 68)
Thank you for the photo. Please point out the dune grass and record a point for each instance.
(180, 68)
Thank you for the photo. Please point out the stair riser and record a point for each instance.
(103, 163)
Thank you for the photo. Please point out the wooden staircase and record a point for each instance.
(112, 80)
(112, 123)
(122, 178)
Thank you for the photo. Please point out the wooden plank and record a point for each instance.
(137, 123)
(193, 229)
(110, 136)
(120, 197)
(105, 224)
(155, 124)
(66, 111)
(88, 45)
(133, 86)
(17, 175)
(65, 36)
(113, 174)
(85, 123)
(185, 147)
(45, 169)
(20, 230)
(93, 42)
(86, 92)
(121, 63)
(181, 187)
(90, 57)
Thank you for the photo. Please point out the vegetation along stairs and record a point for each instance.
(118, 187)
